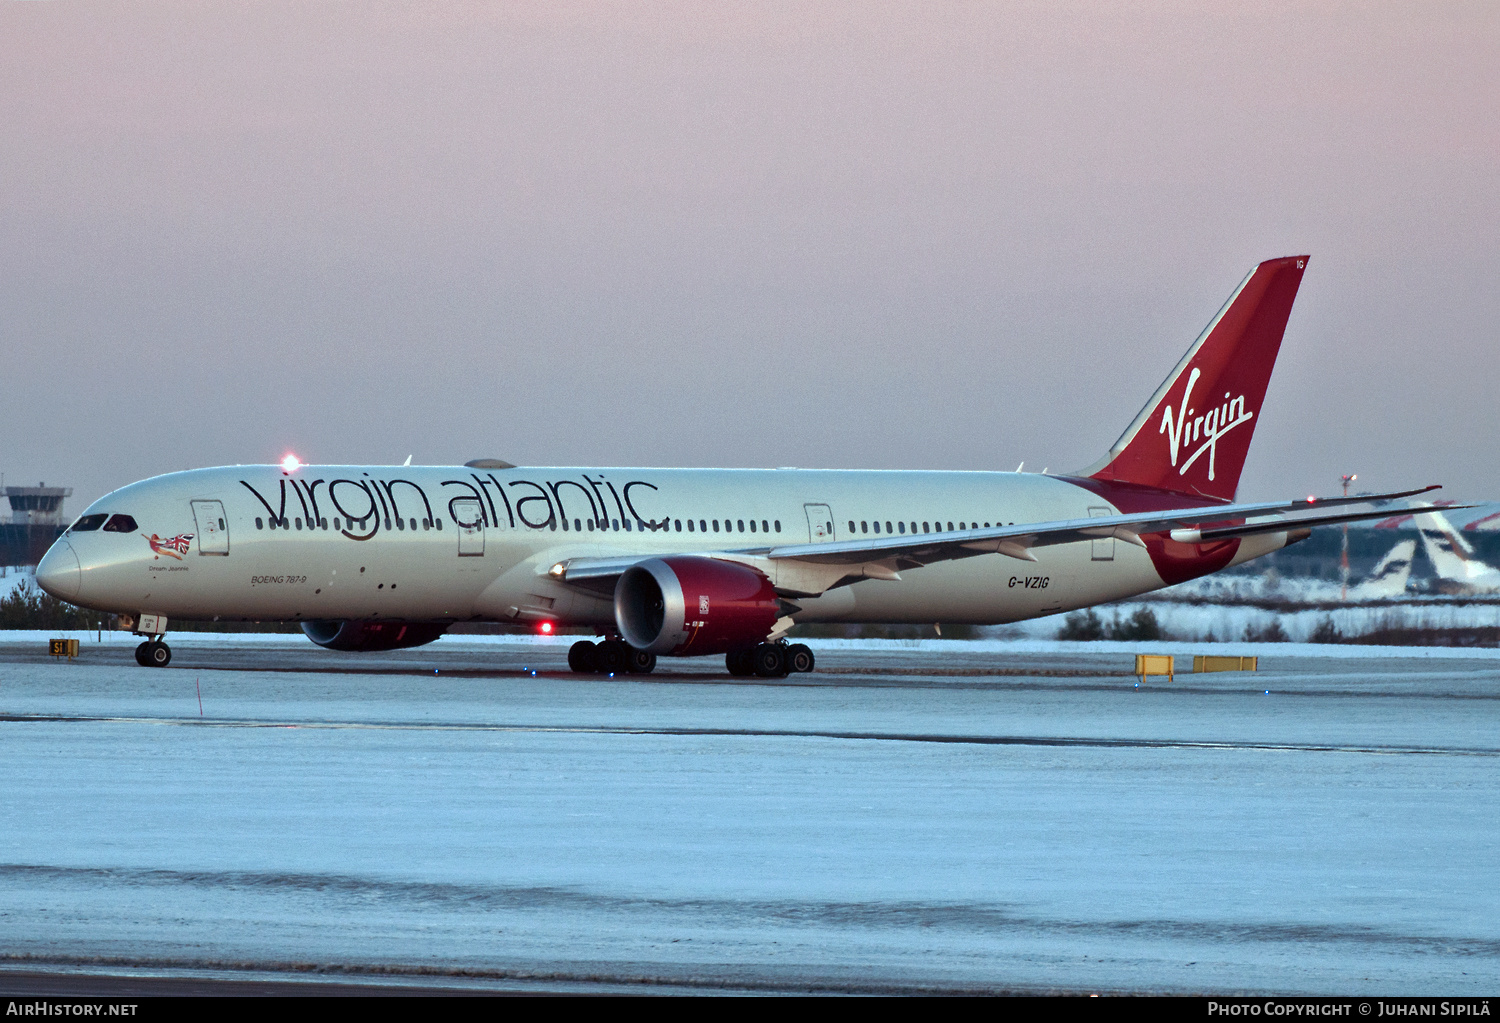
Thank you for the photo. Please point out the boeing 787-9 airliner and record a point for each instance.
(686, 562)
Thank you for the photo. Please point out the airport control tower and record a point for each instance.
(36, 519)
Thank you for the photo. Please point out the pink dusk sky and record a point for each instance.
(859, 235)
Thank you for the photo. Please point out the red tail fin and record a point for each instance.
(1194, 433)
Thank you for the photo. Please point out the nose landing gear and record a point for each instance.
(153, 654)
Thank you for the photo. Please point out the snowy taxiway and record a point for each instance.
(969, 816)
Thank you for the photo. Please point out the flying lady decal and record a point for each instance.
(176, 547)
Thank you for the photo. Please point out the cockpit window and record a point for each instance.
(120, 524)
(88, 523)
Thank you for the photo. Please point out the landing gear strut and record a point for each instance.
(153, 654)
(611, 657)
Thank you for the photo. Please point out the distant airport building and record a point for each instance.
(35, 520)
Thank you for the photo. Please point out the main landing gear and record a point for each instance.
(769, 660)
(616, 657)
(153, 654)
(611, 657)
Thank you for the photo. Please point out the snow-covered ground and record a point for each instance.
(556, 647)
(979, 815)
(1221, 622)
(13, 576)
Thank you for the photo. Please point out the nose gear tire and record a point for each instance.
(153, 654)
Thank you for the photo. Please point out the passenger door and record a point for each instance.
(468, 515)
(819, 523)
(213, 528)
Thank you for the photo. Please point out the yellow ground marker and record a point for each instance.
(1204, 662)
(1153, 664)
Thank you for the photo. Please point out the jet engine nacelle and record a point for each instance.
(368, 636)
(694, 605)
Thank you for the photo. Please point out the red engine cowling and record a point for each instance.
(369, 636)
(692, 605)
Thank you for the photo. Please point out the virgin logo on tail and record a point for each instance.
(1188, 428)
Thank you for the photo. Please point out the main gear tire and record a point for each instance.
(639, 662)
(583, 657)
(769, 660)
(739, 662)
(611, 657)
(799, 658)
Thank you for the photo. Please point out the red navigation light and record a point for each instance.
(1311, 499)
(290, 463)
(546, 628)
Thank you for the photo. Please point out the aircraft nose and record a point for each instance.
(59, 573)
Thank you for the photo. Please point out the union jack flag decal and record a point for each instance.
(176, 547)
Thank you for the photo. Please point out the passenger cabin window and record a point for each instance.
(864, 527)
(851, 525)
(752, 525)
(259, 523)
(902, 526)
(764, 526)
(690, 525)
(678, 524)
(88, 523)
(120, 524)
(778, 525)
(741, 524)
(716, 525)
(703, 525)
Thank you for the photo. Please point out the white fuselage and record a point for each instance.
(460, 544)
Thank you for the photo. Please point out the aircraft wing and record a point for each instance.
(1215, 523)
(881, 557)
